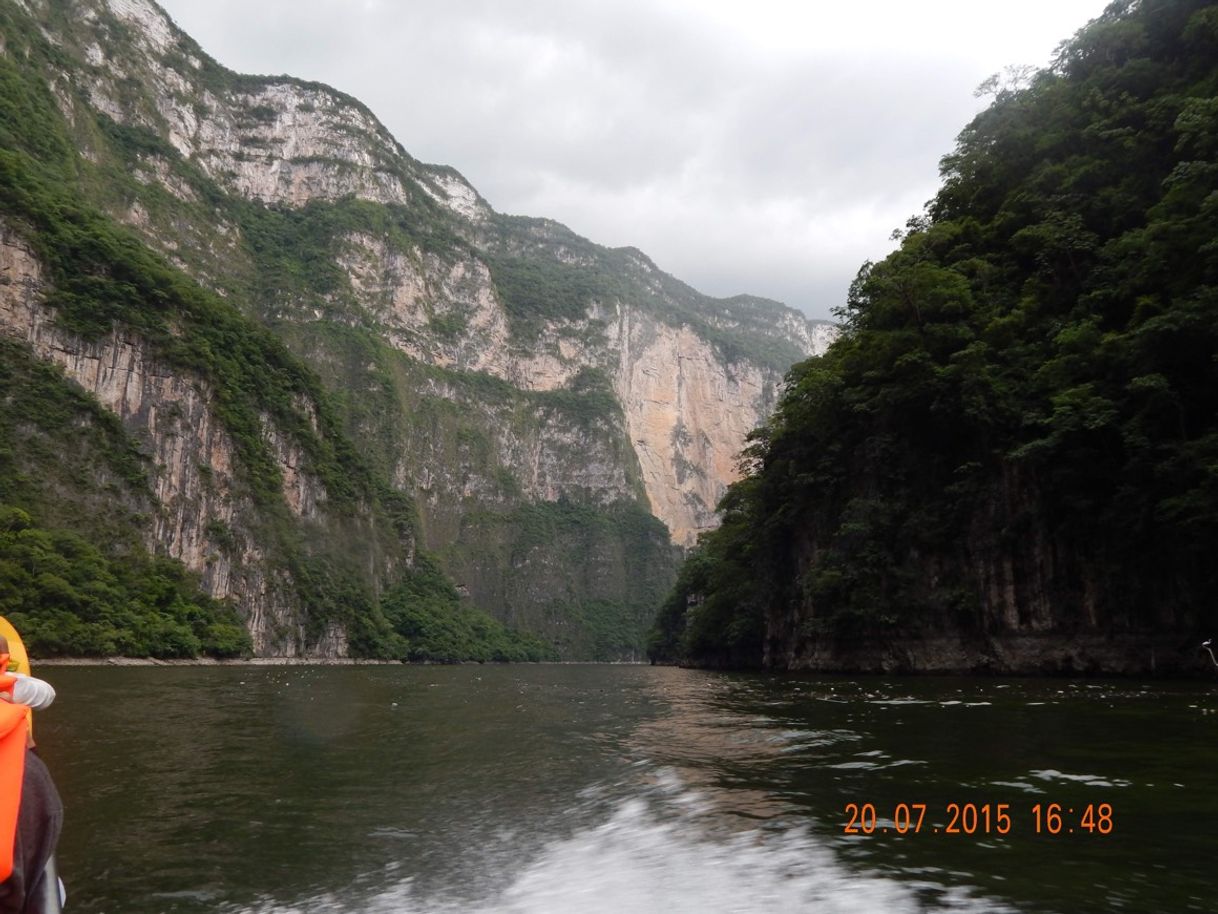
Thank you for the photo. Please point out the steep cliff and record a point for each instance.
(219, 505)
(541, 398)
(1007, 462)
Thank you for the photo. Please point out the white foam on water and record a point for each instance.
(1020, 785)
(1091, 780)
(637, 862)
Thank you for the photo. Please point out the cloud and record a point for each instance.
(767, 147)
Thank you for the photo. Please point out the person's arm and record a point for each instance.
(35, 693)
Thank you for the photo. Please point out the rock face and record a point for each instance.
(273, 141)
(1043, 608)
(192, 456)
(688, 414)
(687, 408)
(490, 364)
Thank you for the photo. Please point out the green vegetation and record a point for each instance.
(588, 401)
(431, 623)
(67, 461)
(295, 251)
(1022, 415)
(52, 434)
(544, 271)
(587, 578)
(67, 598)
(535, 288)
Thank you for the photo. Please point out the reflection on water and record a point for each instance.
(569, 788)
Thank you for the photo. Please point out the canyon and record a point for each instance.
(563, 417)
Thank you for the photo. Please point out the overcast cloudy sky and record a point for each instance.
(761, 146)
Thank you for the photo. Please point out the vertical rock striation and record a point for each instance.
(491, 366)
(192, 457)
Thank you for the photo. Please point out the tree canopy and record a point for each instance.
(1029, 382)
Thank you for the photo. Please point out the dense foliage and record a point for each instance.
(66, 462)
(66, 597)
(1029, 382)
(430, 623)
(587, 578)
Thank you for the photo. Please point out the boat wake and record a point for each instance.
(661, 857)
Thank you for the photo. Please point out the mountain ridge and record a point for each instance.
(538, 396)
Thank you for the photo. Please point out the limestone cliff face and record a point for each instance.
(687, 407)
(540, 398)
(440, 310)
(688, 413)
(549, 456)
(191, 454)
(278, 141)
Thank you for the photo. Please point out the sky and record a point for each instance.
(767, 147)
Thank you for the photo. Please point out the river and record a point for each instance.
(555, 788)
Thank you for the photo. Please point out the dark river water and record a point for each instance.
(278, 790)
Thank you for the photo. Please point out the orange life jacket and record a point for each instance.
(13, 733)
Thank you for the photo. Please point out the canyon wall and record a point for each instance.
(493, 368)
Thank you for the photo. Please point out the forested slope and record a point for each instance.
(173, 480)
(353, 401)
(1009, 461)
